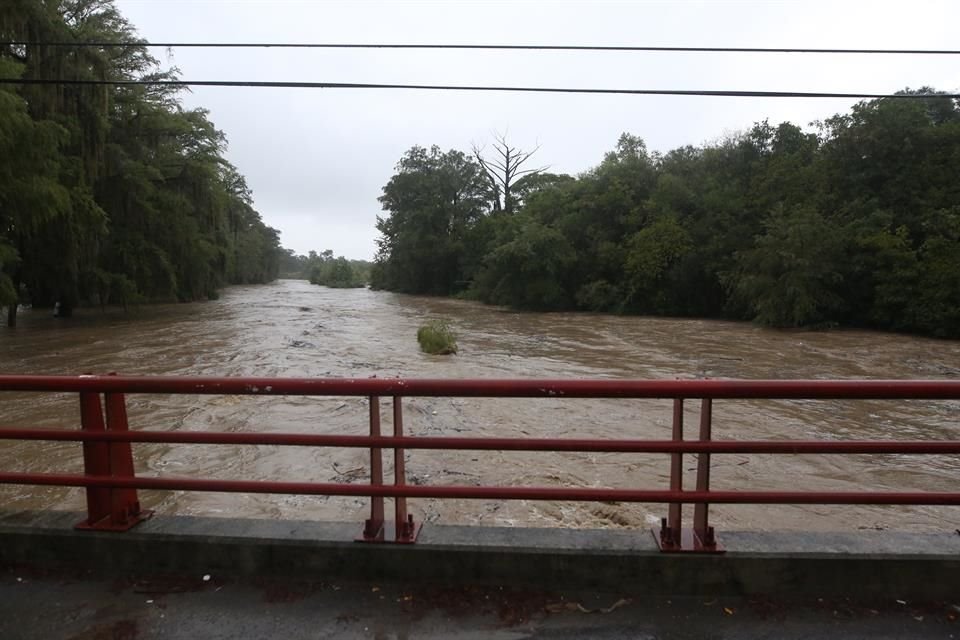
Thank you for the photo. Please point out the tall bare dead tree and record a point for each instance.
(503, 170)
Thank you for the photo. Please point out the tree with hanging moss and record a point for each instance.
(112, 194)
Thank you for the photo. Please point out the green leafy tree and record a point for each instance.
(432, 201)
(529, 271)
(338, 273)
(118, 193)
(789, 276)
(652, 252)
(853, 224)
(31, 198)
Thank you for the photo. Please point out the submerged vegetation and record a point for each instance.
(112, 194)
(436, 338)
(856, 223)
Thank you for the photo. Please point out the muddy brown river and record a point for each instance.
(291, 328)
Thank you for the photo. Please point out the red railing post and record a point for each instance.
(672, 536)
(96, 461)
(373, 529)
(702, 531)
(124, 503)
(108, 509)
(672, 525)
(406, 529)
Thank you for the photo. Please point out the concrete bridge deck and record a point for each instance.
(268, 579)
(869, 563)
(78, 606)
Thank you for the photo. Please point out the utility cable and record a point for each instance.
(499, 47)
(440, 87)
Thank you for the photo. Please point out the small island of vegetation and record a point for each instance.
(436, 338)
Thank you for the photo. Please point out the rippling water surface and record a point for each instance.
(291, 328)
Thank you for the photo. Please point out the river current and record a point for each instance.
(292, 328)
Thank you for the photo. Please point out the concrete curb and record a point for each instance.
(864, 564)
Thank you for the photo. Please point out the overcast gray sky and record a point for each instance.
(316, 160)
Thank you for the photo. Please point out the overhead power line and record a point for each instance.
(499, 47)
(441, 87)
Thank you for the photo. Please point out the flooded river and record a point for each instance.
(291, 328)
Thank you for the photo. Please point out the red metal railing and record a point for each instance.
(111, 481)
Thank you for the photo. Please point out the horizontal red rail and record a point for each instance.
(521, 388)
(111, 482)
(484, 493)
(493, 444)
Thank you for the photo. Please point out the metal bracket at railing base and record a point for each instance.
(685, 541)
(388, 533)
(108, 524)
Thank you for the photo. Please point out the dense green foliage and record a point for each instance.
(294, 266)
(855, 224)
(112, 194)
(338, 272)
(435, 201)
(324, 269)
(436, 338)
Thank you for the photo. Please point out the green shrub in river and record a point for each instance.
(436, 338)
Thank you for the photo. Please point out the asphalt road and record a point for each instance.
(44, 606)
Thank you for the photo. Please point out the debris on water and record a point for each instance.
(901, 602)
(456, 473)
(302, 344)
(419, 480)
(728, 611)
(206, 577)
(305, 309)
(349, 475)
